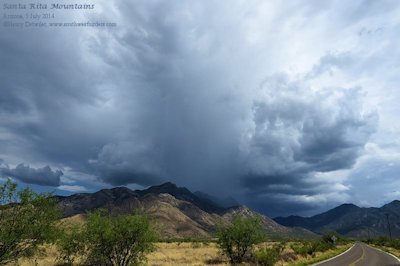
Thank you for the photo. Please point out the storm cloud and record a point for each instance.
(41, 176)
(267, 102)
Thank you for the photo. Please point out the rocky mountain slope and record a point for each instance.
(176, 211)
(351, 220)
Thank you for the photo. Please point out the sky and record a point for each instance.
(290, 107)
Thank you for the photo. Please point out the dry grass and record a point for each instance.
(46, 259)
(78, 219)
(186, 253)
(166, 254)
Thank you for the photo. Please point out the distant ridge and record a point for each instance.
(183, 193)
(351, 220)
(176, 210)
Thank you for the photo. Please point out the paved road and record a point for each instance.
(362, 255)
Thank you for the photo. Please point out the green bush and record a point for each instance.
(268, 256)
(395, 243)
(302, 249)
(382, 241)
(311, 247)
(321, 246)
(123, 240)
(71, 244)
(27, 220)
(334, 238)
(236, 239)
(385, 242)
(329, 237)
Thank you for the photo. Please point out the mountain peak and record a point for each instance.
(394, 203)
(392, 206)
(120, 189)
(182, 193)
(347, 206)
(114, 193)
(167, 185)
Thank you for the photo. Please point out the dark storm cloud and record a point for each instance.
(127, 163)
(299, 133)
(275, 205)
(50, 99)
(40, 176)
(282, 184)
(171, 96)
(288, 194)
(186, 124)
(117, 177)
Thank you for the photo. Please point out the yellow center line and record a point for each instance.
(359, 259)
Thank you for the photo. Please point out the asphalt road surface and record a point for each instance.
(362, 255)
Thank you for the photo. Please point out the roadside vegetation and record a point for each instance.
(385, 243)
(241, 241)
(29, 222)
(104, 239)
(236, 240)
(31, 232)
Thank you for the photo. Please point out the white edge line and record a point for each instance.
(318, 263)
(385, 252)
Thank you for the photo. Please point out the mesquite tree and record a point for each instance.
(236, 239)
(27, 220)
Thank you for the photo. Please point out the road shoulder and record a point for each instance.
(338, 255)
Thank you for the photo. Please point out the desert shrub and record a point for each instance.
(268, 256)
(321, 246)
(71, 244)
(304, 249)
(395, 243)
(311, 247)
(123, 240)
(27, 220)
(288, 256)
(300, 249)
(385, 242)
(329, 237)
(381, 241)
(236, 239)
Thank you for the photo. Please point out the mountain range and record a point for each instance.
(176, 211)
(351, 220)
